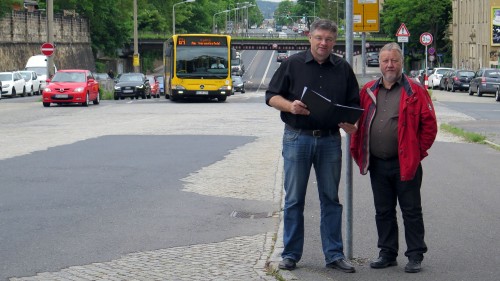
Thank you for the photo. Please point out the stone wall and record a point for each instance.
(22, 34)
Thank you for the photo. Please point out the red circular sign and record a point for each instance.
(426, 38)
(47, 49)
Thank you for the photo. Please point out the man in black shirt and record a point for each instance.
(308, 141)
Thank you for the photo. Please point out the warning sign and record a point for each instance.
(403, 31)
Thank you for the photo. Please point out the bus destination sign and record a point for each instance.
(201, 41)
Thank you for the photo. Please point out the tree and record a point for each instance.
(433, 16)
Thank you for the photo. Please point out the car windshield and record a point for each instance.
(38, 70)
(466, 73)
(6, 77)
(26, 75)
(69, 77)
(130, 78)
(237, 79)
(492, 73)
(441, 71)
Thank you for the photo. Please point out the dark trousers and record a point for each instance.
(388, 189)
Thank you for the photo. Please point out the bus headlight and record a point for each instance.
(225, 88)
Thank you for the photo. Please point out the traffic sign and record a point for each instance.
(432, 58)
(403, 39)
(47, 49)
(403, 31)
(431, 51)
(426, 38)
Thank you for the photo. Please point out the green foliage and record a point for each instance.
(6, 6)
(421, 16)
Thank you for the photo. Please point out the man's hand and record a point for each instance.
(348, 128)
(299, 108)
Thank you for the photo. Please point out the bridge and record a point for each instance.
(271, 43)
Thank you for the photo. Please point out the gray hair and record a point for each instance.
(392, 46)
(324, 24)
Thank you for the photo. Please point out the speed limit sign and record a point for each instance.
(426, 38)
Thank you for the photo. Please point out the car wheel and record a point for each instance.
(13, 95)
(46, 104)
(31, 93)
(470, 91)
(497, 95)
(24, 92)
(116, 97)
(87, 99)
(479, 94)
(97, 99)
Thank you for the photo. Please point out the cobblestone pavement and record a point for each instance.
(233, 259)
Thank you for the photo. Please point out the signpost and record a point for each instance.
(47, 49)
(403, 35)
(426, 40)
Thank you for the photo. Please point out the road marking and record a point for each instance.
(265, 73)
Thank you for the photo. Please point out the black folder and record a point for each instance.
(322, 109)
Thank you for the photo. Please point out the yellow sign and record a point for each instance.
(135, 62)
(366, 16)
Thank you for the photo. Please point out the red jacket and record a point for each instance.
(417, 127)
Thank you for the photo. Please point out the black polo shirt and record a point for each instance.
(334, 79)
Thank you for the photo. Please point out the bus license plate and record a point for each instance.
(202, 92)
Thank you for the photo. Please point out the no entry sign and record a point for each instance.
(47, 49)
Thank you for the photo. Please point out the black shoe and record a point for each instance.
(287, 264)
(342, 265)
(383, 262)
(413, 266)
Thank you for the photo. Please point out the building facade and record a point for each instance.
(475, 33)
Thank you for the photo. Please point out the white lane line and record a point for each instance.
(265, 73)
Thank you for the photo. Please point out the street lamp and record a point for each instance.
(213, 21)
(337, 1)
(314, 9)
(173, 13)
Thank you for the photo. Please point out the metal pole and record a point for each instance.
(136, 39)
(348, 195)
(50, 36)
(173, 18)
(363, 53)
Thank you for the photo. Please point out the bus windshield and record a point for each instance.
(196, 62)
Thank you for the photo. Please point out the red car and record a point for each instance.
(155, 86)
(71, 86)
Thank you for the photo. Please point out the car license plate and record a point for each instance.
(465, 85)
(202, 92)
(61, 96)
(128, 91)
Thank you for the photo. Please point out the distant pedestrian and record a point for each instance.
(111, 74)
(309, 142)
(397, 128)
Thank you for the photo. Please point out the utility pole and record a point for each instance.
(50, 36)
(135, 60)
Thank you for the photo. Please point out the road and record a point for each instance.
(186, 191)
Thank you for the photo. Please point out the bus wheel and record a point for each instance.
(221, 99)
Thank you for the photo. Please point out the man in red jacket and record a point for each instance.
(396, 129)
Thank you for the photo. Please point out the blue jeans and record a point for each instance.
(300, 153)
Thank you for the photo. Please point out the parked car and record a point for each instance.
(161, 84)
(33, 85)
(101, 76)
(155, 86)
(13, 84)
(71, 86)
(0, 89)
(486, 80)
(238, 84)
(282, 55)
(436, 75)
(444, 79)
(459, 80)
(372, 59)
(132, 85)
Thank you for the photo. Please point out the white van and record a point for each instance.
(38, 64)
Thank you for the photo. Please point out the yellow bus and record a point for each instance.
(197, 65)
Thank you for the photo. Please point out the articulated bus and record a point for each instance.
(198, 65)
